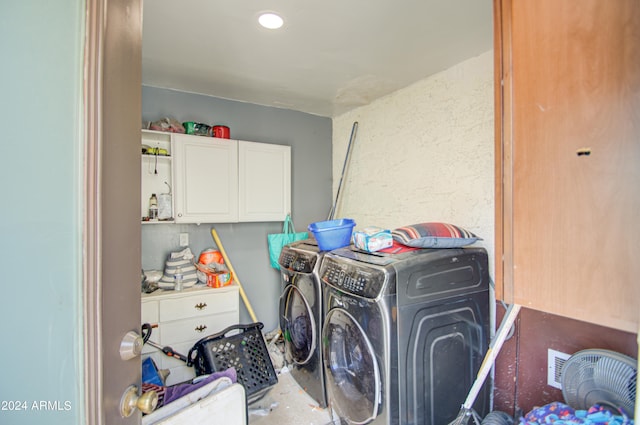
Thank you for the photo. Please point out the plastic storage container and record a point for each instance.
(218, 402)
(332, 234)
(197, 128)
(372, 239)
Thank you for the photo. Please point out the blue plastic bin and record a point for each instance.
(150, 373)
(332, 234)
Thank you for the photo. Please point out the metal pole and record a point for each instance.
(354, 129)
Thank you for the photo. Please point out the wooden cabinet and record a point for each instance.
(568, 157)
(205, 178)
(182, 318)
(264, 181)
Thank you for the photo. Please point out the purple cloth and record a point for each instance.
(174, 392)
(561, 414)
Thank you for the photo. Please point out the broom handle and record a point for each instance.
(235, 275)
(334, 208)
(492, 353)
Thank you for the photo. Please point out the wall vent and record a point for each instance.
(555, 361)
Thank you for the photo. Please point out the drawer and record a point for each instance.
(179, 375)
(193, 329)
(150, 312)
(171, 362)
(147, 349)
(198, 305)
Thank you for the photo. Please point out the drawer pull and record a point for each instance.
(201, 328)
(200, 306)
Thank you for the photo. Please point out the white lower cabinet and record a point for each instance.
(180, 319)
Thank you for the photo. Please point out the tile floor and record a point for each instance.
(287, 404)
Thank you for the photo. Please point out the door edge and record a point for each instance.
(91, 267)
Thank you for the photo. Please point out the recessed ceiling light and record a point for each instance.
(270, 20)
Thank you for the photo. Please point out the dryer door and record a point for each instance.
(352, 373)
(298, 325)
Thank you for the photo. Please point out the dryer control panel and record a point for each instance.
(297, 261)
(363, 282)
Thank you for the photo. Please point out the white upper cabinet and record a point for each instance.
(264, 181)
(205, 178)
(227, 181)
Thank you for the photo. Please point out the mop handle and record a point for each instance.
(492, 353)
(344, 167)
(247, 304)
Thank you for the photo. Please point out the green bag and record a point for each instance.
(278, 240)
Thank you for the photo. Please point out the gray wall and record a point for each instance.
(246, 243)
(41, 220)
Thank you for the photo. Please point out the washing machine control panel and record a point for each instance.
(297, 261)
(353, 279)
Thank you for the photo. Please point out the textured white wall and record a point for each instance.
(423, 153)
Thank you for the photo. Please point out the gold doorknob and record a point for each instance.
(147, 402)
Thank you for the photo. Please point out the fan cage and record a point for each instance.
(602, 377)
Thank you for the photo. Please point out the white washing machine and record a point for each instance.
(302, 314)
(404, 334)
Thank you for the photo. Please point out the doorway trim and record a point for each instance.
(91, 267)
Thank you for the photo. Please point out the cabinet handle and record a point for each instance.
(200, 306)
(200, 328)
(583, 152)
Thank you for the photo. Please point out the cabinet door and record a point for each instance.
(569, 152)
(265, 181)
(205, 171)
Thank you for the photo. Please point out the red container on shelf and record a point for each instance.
(221, 132)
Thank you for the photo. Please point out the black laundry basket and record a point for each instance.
(241, 347)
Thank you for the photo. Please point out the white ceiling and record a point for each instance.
(329, 57)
